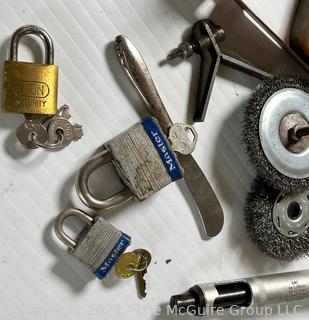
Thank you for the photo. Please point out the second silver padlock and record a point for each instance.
(99, 245)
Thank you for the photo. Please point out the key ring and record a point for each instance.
(45, 145)
(142, 268)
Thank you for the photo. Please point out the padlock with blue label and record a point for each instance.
(99, 245)
(144, 159)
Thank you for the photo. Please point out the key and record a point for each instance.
(144, 263)
(28, 130)
(64, 112)
(183, 138)
(134, 263)
(127, 264)
(61, 132)
(54, 132)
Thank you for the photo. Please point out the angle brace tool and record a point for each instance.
(205, 38)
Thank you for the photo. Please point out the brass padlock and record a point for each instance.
(30, 87)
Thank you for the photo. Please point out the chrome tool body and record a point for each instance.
(249, 292)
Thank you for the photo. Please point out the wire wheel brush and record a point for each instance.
(276, 132)
(278, 223)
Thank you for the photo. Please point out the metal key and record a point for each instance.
(54, 132)
(28, 130)
(179, 136)
(64, 112)
(127, 265)
(60, 131)
(144, 263)
(134, 263)
(61, 127)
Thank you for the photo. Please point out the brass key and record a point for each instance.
(145, 259)
(127, 265)
(134, 263)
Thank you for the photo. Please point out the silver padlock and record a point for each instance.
(99, 245)
(144, 160)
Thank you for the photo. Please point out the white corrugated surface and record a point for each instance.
(38, 279)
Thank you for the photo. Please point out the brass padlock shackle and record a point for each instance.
(83, 190)
(58, 226)
(35, 30)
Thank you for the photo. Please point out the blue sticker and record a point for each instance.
(162, 147)
(119, 248)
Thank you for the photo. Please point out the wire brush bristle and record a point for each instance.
(250, 132)
(259, 222)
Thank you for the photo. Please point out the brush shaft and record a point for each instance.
(301, 132)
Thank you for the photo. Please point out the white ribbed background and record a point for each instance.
(38, 279)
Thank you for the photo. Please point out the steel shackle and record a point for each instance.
(58, 225)
(34, 30)
(82, 184)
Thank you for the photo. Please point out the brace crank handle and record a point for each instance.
(208, 69)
